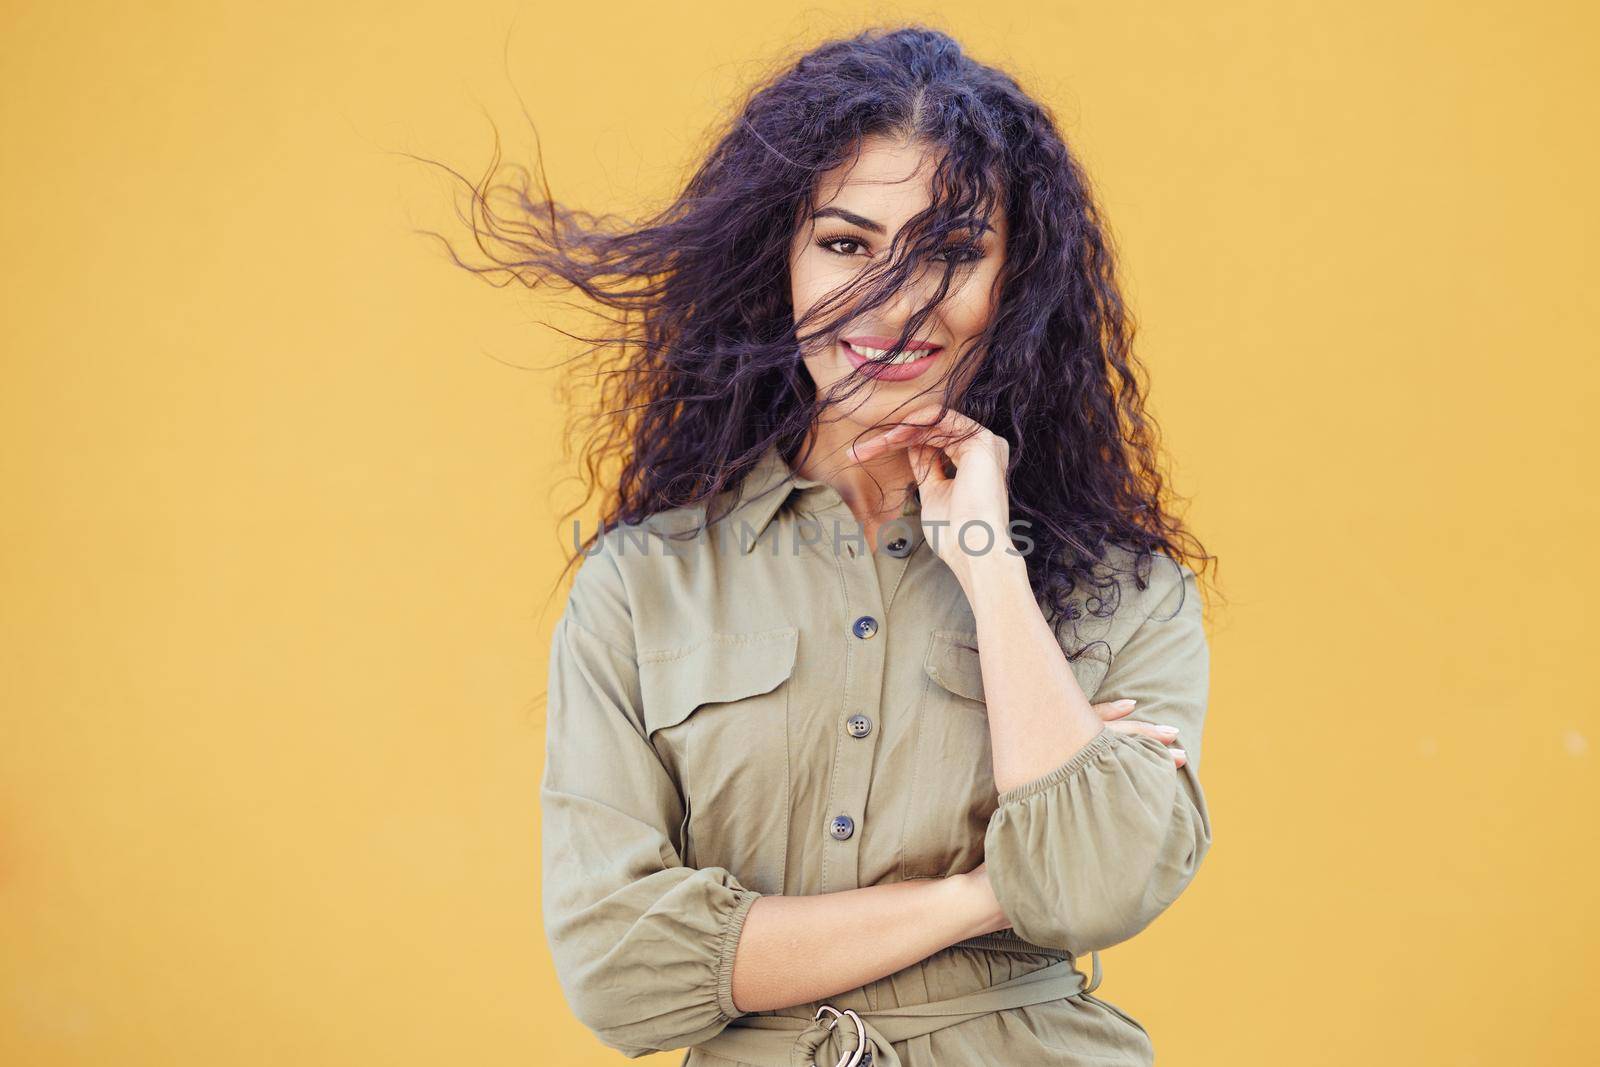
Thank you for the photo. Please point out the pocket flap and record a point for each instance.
(719, 668)
(953, 663)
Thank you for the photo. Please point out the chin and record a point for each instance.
(874, 402)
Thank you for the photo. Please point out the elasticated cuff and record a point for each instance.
(1100, 743)
(731, 929)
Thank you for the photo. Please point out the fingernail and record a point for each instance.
(1180, 752)
(1126, 703)
(1164, 728)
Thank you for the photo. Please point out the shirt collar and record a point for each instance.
(768, 487)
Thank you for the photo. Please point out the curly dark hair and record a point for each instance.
(700, 370)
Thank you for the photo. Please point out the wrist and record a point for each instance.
(969, 903)
(995, 579)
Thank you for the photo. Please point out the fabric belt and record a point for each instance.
(791, 1041)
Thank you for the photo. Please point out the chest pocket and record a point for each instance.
(954, 792)
(952, 663)
(716, 711)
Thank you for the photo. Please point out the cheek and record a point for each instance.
(804, 286)
(812, 283)
(970, 308)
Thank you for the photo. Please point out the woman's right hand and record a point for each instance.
(1112, 715)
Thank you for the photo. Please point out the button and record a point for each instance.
(842, 827)
(858, 725)
(897, 547)
(865, 627)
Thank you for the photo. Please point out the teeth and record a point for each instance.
(879, 353)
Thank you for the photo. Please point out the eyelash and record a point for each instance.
(973, 251)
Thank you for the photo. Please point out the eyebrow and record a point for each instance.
(851, 217)
(877, 227)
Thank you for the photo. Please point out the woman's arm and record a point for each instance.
(798, 949)
(646, 947)
(1098, 826)
(1091, 841)
(1038, 715)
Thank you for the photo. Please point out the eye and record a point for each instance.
(830, 242)
(963, 253)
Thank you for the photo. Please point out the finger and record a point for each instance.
(959, 436)
(936, 421)
(937, 424)
(1116, 709)
(1160, 731)
(927, 465)
(926, 468)
(936, 416)
(1179, 756)
(922, 415)
(874, 443)
(867, 447)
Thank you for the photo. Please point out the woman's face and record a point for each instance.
(858, 208)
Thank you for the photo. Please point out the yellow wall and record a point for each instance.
(279, 521)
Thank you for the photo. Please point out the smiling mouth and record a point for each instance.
(903, 367)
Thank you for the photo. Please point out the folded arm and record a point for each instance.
(652, 954)
(1097, 831)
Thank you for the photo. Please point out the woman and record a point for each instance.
(824, 782)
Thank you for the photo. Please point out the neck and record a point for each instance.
(874, 489)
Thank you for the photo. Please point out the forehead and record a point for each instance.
(888, 181)
(885, 171)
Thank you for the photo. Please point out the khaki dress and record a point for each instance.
(771, 707)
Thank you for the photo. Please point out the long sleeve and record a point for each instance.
(1087, 855)
(643, 945)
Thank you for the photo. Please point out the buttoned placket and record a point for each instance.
(864, 627)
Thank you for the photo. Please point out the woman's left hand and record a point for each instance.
(965, 517)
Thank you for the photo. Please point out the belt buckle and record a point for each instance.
(861, 1055)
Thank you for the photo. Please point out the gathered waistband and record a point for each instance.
(792, 1041)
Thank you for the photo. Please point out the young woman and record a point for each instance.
(877, 700)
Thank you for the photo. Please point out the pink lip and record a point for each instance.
(877, 341)
(890, 372)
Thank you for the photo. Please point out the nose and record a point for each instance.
(916, 291)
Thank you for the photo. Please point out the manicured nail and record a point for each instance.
(1180, 752)
(1122, 704)
(1164, 728)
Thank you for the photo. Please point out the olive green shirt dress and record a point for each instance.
(771, 707)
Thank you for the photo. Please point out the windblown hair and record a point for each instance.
(701, 370)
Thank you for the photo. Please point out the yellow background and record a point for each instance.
(279, 520)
